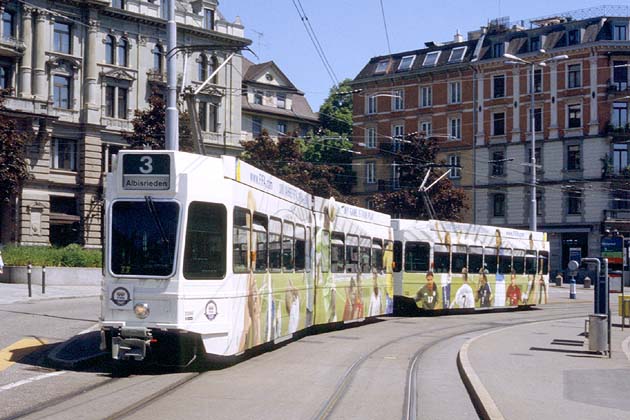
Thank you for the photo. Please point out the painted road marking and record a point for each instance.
(29, 380)
(18, 350)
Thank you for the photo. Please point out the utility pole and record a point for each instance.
(172, 117)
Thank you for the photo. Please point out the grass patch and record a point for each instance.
(70, 256)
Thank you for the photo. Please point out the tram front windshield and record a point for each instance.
(143, 237)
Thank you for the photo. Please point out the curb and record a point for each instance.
(71, 364)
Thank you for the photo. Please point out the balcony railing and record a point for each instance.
(11, 43)
(617, 214)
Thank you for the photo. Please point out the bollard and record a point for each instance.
(587, 282)
(29, 269)
(572, 289)
(43, 280)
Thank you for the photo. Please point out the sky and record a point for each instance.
(351, 32)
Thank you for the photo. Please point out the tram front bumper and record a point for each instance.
(131, 343)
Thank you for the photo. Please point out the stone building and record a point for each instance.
(467, 94)
(272, 103)
(78, 70)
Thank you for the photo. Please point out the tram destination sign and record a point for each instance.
(150, 171)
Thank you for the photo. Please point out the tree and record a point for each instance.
(149, 127)
(417, 155)
(335, 114)
(13, 165)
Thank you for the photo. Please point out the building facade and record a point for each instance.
(272, 103)
(77, 71)
(478, 103)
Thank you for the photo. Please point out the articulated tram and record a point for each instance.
(212, 256)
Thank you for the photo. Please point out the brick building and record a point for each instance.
(464, 93)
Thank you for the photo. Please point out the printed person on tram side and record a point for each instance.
(465, 297)
(513, 293)
(428, 294)
(484, 293)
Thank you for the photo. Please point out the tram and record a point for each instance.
(208, 255)
(442, 265)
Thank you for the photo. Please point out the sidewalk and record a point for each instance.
(544, 370)
(18, 293)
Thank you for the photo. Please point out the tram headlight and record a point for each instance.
(141, 310)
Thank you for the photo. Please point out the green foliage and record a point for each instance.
(335, 114)
(71, 256)
(13, 165)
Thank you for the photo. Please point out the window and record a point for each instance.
(64, 154)
(281, 127)
(573, 158)
(620, 157)
(371, 104)
(208, 19)
(574, 202)
(352, 254)
(8, 24)
(203, 67)
(457, 55)
(454, 92)
(475, 259)
(370, 138)
(454, 162)
(441, 258)
(110, 95)
(203, 115)
(455, 128)
(498, 163)
(537, 120)
(381, 67)
(431, 59)
(574, 75)
(406, 62)
(395, 176)
(122, 103)
(158, 54)
(61, 92)
(123, 46)
(118, 4)
(398, 100)
(206, 243)
(275, 244)
(61, 41)
(426, 128)
(258, 97)
(260, 231)
(110, 41)
(498, 49)
(116, 102)
(538, 84)
(6, 70)
(370, 173)
(498, 124)
(240, 240)
(620, 75)
(498, 205)
(337, 255)
(539, 161)
(574, 36)
(498, 86)
(620, 114)
(575, 116)
(256, 126)
(281, 100)
(214, 65)
(287, 245)
(426, 96)
(300, 252)
(534, 43)
(490, 259)
(539, 203)
(398, 134)
(620, 32)
(417, 256)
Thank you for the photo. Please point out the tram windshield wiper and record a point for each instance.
(156, 218)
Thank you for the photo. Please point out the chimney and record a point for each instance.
(458, 37)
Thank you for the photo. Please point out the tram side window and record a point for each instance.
(398, 254)
(287, 246)
(307, 252)
(260, 230)
(458, 259)
(337, 252)
(490, 259)
(377, 254)
(300, 247)
(441, 261)
(505, 261)
(518, 261)
(275, 246)
(417, 255)
(530, 262)
(352, 254)
(543, 262)
(205, 250)
(325, 251)
(364, 255)
(240, 231)
(475, 259)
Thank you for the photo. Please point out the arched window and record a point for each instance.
(203, 67)
(215, 65)
(158, 53)
(110, 41)
(123, 47)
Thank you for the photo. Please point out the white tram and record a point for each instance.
(212, 256)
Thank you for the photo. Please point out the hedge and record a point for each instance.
(70, 256)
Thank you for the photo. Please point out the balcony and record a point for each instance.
(12, 47)
(618, 134)
(617, 88)
(156, 76)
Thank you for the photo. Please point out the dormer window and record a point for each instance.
(457, 55)
(498, 50)
(620, 32)
(381, 67)
(574, 36)
(118, 4)
(406, 62)
(534, 44)
(431, 59)
(208, 19)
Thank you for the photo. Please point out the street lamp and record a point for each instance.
(533, 225)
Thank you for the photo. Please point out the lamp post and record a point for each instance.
(533, 223)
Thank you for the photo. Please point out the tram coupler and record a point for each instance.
(131, 343)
